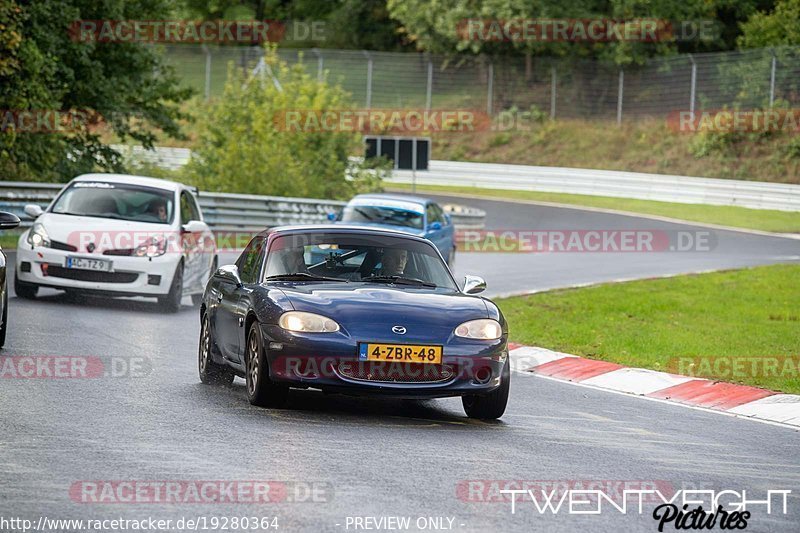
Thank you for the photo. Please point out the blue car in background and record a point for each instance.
(410, 214)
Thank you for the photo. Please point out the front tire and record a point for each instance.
(261, 390)
(211, 373)
(492, 405)
(24, 290)
(171, 303)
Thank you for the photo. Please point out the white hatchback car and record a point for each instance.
(118, 235)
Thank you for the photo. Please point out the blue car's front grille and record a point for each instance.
(396, 372)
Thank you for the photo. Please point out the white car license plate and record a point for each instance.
(83, 263)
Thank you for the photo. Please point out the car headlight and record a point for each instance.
(484, 329)
(307, 322)
(37, 236)
(153, 248)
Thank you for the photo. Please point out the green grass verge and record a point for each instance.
(8, 240)
(668, 324)
(740, 217)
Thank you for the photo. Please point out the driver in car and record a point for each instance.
(393, 262)
(293, 260)
(158, 208)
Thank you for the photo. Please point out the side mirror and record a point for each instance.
(8, 220)
(474, 284)
(33, 210)
(230, 273)
(194, 226)
(435, 226)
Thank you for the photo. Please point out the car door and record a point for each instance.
(448, 236)
(206, 242)
(191, 241)
(434, 229)
(233, 301)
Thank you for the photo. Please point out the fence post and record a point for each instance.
(317, 53)
(694, 86)
(619, 96)
(429, 92)
(490, 90)
(369, 78)
(207, 89)
(553, 92)
(772, 79)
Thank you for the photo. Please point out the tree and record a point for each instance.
(354, 24)
(43, 67)
(244, 146)
(780, 27)
(433, 25)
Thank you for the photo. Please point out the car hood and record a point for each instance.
(369, 311)
(104, 232)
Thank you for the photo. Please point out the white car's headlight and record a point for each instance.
(484, 329)
(154, 248)
(307, 322)
(37, 236)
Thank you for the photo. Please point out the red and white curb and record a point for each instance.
(739, 400)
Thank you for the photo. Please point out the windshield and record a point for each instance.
(356, 258)
(397, 214)
(117, 201)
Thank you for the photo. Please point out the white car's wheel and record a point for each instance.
(171, 303)
(24, 290)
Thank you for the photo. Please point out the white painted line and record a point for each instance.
(636, 380)
(783, 408)
(527, 357)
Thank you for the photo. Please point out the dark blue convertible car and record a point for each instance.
(380, 314)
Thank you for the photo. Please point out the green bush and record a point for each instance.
(243, 145)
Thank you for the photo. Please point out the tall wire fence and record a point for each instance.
(561, 88)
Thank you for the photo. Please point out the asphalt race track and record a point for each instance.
(511, 273)
(350, 457)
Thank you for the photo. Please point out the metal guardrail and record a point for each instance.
(660, 187)
(226, 211)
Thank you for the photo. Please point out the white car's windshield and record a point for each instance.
(117, 201)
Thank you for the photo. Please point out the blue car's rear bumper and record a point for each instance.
(331, 364)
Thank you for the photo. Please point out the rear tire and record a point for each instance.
(492, 405)
(261, 390)
(210, 372)
(24, 290)
(171, 303)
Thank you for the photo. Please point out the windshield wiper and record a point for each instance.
(399, 280)
(364, 214)
(301, 276)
